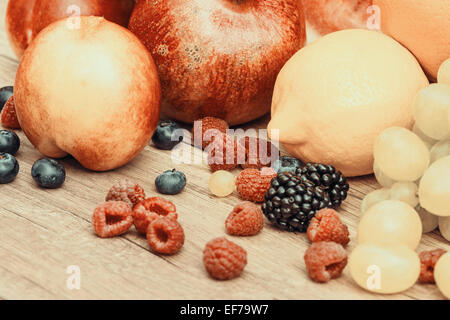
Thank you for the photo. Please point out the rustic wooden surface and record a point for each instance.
(42, 232)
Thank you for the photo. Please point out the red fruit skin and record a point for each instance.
(127, 191)
(165, 235)
(325, 261)
(327, 226)
(428, 260)
(223, 259)
(252, 184)
(253, 154)
(224, 61)
(246, 219)
(26, 18)
(9, 116)
(151, 209)
(112, 218)
(210, 128)
(222, 154)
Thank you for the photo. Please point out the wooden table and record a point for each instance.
(43, 232)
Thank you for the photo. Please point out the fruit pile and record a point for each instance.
(414, 169)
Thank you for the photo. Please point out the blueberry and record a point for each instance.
(5, 93)
(162, 138)
(48, 173)
(9, 142)
(287, 164)
(9, 167)
(170, 182)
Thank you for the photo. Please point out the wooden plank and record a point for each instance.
(44, 231)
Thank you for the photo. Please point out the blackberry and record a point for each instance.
(328, 178)
(291, 203)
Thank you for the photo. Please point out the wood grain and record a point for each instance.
(42, 232)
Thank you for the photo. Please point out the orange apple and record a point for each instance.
(26, 18)
(92, 92)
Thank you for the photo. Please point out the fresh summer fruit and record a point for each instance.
(9, 142)
(9, 116)
(246, 219)
(290, 203)
(127, 191)
(112, 218)
(428, 261)
(344, 63)
(406, 192)
(440, 150)
(225, 60)
(431, 108)
(325, 260)
(48, 173)
(390, 222)
(167, 135)
(151, 209)
(381, 177)
(444, 72)
(429, 221)
(434, 188)
(400, 154)
(9, 168)
(105, 108)
(252, 184)
(386, 270)
(441, 274)
(223, 259)
(422, 26)
(222, 183)
(327, 226)
(222, 153)
(165, 235)
(5, 94)
(328, 178)
(429, 142)
(373, 198)
(207, 129)
(170, 182)
(258, 152)
(287, 164)
(444, 227)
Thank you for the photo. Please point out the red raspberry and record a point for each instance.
(165, 235)
(252, 184)
(253, 158)
(126, 191)
(224, 259)
(210, 128)
(112, 218)
(246, 219)
(150, 209)
(428, 260)
(222, 154)
(325, 260)
(9, 116)
(327, 226)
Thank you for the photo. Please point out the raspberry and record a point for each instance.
(210, 127)
(222, 154)
(252, 184)
(254, 157)
(325, 260)
(246, 219)
(112, 218)
(126, 191)
(327, 226)
(428, 260)
(150, 209)
(165, 235)
(224, 259)
(9, 116)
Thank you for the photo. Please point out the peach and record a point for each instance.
(26, 18)
(92, 92)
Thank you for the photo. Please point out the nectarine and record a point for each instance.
(92, 92)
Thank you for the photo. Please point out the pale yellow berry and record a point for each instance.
(429, 142)
(374, 197)
(381, 177)
(442, 274)
(444, 227)
(406, 192)
(222, 183)
(429, 221)
(443, 75)
(440, 150)
(387, 270)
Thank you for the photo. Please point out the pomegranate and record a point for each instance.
(219, 57)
